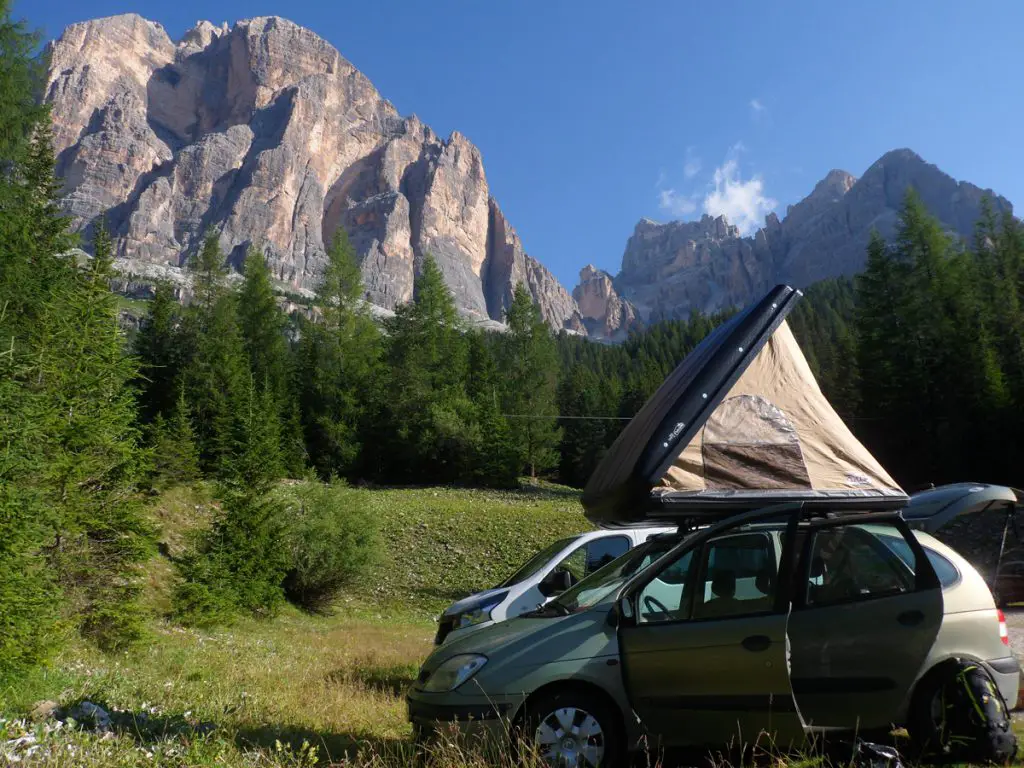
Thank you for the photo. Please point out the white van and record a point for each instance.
(544, 576)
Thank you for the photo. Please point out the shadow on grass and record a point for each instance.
(332, 747)
(393, 680)
(146, 729)
(439, 594)
(542, 491)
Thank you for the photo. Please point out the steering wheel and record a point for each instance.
(652, 604)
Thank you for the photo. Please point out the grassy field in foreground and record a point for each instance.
(256, 692)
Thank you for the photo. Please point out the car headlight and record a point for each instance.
(478, 614)
(454, 672)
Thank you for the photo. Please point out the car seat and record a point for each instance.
(723, 600)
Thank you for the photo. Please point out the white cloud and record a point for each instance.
(692, 165)
(676, 203)
(757, 107)
(743, 203)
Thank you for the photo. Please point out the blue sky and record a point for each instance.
(593, 114)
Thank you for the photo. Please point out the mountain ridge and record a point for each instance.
(264, 130)
(671, 268)
(265, 133)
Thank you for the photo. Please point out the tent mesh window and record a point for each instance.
(750, 443)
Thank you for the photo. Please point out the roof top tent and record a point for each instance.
(741, 423)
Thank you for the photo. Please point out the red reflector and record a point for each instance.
(1004, 634)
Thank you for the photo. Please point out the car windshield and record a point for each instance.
(538, 561)
(604, 581)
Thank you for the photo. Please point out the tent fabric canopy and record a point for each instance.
(776, 431)
(742, 418)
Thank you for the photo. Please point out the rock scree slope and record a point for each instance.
(263, 132)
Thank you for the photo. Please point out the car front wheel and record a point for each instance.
(571, 729)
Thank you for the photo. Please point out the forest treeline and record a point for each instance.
(921, 354)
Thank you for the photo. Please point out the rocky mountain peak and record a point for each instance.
(263, 132)
(606, 315)
(835, 184)
(669, 269)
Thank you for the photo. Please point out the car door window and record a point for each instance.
(600, 552)
(666, 597)
(575, 563)
(851, 563)
(737, 577)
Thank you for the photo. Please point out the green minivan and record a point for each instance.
(792, 599)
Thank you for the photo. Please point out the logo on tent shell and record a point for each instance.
(675, 432)
(857, 479)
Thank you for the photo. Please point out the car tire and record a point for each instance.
(922, 726)
(544, 724)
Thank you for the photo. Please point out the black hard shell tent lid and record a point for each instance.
(741, 423)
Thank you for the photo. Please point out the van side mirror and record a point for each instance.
(555, 583)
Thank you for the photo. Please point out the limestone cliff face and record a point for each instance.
(669, 269)
(266, 134)
(606, 315)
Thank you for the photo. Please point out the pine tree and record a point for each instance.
(497, 463)
(175, 458)
(528, 363)
(31, 272)
(94, 461)
(263, 324)
(429, 419)
(338, 366)
(162, 354)
(583, 438)
(217, 373)
(255, 461)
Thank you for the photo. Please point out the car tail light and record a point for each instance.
(1004, 634)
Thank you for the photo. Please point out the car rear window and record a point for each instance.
(945, 570)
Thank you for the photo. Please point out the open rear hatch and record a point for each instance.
(979, 520)
(739, 424)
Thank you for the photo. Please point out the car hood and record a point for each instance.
(461, 606)
(529, 641)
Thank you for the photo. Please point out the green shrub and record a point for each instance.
(238, 566)
(331, 540)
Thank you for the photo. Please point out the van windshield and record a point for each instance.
(604, 581)
(538, 561)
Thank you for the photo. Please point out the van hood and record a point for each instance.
(477, 598)
(739, 424)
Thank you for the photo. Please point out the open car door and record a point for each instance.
(703, 639)
(867, 607)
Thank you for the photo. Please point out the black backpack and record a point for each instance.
(975, 724)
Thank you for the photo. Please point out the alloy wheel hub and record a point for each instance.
(569, 738)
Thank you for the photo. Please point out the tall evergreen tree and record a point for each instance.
(162, 354)
(529, 367)
(217, 372)
(584, 438)
(338, 367)
(263, 324)
(175, 457)
(94, 460)
(497, 462)
(432, 433)
(31, 236)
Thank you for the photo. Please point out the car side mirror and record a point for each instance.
(555, 583)
(621, 612)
